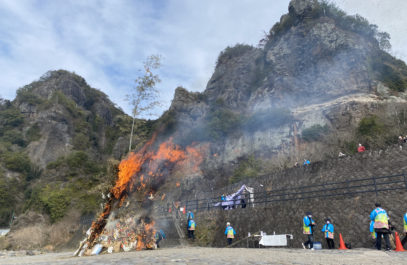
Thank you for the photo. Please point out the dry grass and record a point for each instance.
(30, 237)
(61, 232)
(4, 244)
(42, 234)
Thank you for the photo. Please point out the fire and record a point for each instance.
(169, 151)
(145, 235)
(129, 167)
(137, 172)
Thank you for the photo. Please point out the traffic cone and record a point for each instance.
(399, 246)
(341, 243)
(184, 210)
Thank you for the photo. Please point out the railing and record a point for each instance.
(324, 190)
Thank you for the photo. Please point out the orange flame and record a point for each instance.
(145, 237)
(169, 151)
(157, 164)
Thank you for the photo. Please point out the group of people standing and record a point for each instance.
(308, 229)
(191, 226)
(380, 226)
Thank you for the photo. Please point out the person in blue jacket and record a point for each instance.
(230, 233)
(190, 215)
(159, 235)
(405, 229)
(381, 226)
(191, 229)
(328, 230)
(308, 229)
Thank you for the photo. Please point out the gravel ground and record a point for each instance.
(198, 255)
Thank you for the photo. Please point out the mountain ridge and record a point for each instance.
(320, 83)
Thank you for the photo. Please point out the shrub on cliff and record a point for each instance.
(26, 95)
(248, 168)
(232, 52)
(222, 122)
(8, 190)
(370, 126)
(15, 137)
(77, 162)
(55, 203)
(17, 162)
(314, 133)
(33, 134)
(389, 70)
(10, 117)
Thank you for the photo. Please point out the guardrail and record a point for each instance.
(324, 190)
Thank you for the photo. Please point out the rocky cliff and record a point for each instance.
(56, 139)
(304, 92)
(319, 82)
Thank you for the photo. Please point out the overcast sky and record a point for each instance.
(106, 41)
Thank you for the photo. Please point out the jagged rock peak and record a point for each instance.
(302, 7)
(70, 84)
(67, 82)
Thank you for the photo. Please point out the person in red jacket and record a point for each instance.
(361, 148)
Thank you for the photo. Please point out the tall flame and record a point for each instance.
(153, 164)
(129, 167)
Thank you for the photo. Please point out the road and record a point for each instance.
(199, 255)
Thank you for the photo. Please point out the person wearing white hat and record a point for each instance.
(230, 233)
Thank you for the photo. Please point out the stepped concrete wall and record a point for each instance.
(349, 214)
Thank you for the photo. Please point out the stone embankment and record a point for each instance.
(349, 213)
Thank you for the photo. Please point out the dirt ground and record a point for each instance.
(198, 255)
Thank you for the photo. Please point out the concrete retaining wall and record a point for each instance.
(349, 214)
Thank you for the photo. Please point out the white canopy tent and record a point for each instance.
(237, 198)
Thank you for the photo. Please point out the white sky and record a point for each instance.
(106, 41)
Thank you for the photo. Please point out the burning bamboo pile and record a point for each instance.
(142, 172)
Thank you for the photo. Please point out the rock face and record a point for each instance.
(302, 7)
(56, 139)
(318, 84)
(58, 104)
(317, 65)
(320, 74)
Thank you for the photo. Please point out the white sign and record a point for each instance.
(273, 240)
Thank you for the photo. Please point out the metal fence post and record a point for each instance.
(348, 188)
(265, 198)
(405, 180)
(375, 186)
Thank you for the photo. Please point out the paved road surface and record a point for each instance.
(198, 255)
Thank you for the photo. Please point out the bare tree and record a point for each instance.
(144, 95)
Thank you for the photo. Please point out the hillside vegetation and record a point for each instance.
(60, 111)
